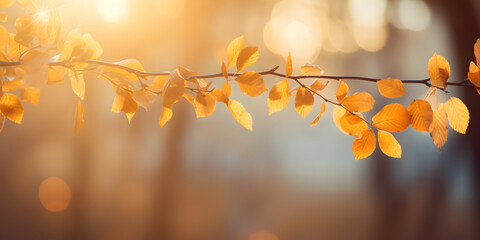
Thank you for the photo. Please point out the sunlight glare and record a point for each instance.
(368, 12)
(413, 15)
(112, 10)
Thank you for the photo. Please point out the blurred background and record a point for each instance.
(212, 179)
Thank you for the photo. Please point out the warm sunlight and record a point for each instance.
(112, 10)
(54, 194)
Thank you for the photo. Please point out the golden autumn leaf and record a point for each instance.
(322, 110)
(79, 117)
(224, 70)
(251, 83)
(240, 114)
(311, 70)
(13, 85)
(204, 104)
(218, 93)
(391, 88)
(304, 102)
(174, 89)
(421, 115)
(458, 115)
(124, 102)
(474, 75)
(432, 97)
(389, 145)
(233, 50)
(166, 115)
(438, 70)
(342, 91)
(288, 67)
(393, 118)
(190, 99)
(158, 83)
(348, 123)
(11, 107)
(278, 97)
(318, 86)
(227, 89)
(247, 57)
(118, 73)
(144, 98)
(31, 95)
(359, 102)
(439, 128)
(365, 145)
(78, 84)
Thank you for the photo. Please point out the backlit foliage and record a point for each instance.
(40, 52)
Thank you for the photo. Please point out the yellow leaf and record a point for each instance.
(432, 97)
(304, 102)
(79, 117)
(342, 91)
(174, 90)
(365, 145)
(56, 74)
(278, 97)
(219, 95)
(311, 70)
(124, 101)
(204, 104)
(233, 50)
(439, 128)
(78, 84)
(118, 73)
(185, 72)
(158, 83)
(13, 85)
(31, 95)
(474, 74)
(348, 123)
(359, 102)
(6, 3)
(458, 115)
(438, 70)
(224, 70)
(391, 88)
(288, 67)
(318, 86)
(189, 98)
(315, 121)
(389, 145)
(240, 114)
(247, 57)
(144, 98)
(251, 83)
(393, 118)
(227, 89)
(11, 107)
(166, 115)
(421, 114)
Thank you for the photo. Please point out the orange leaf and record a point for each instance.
(166, 115)
(11, 107)
(359, 102)
(393, 118)
(288, 67)
(240, 114)
(389, 145)
(158, 83)
(227, 89)
(421, 114)
(458, 115)
(474, 74)
(322, 110)
(233, 50)
(365, 145)
(79, 117)
(391, 88)
(224, 70)
(78, 84)
(348, 123)
(438, 70)
(174, 90)
(318, 86)
(204, 104)
(31, 95)
(439, 128)
(342, 91)
(278, 97)
(144, 98)
(251, 83)
(476, 50)
(247, 57)
(311, 70)
(304, 102)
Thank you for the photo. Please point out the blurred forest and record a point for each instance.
(212, 179)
